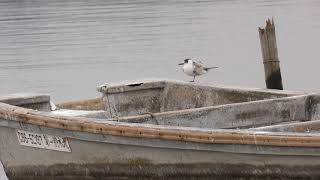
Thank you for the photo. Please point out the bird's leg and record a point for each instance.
(194, 77)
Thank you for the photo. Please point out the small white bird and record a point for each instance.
(193, 68)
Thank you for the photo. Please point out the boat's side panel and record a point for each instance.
(120, 156)
(134, 102)
(299, 127)
(39, 102)
(250, 114)
(188, 96)
(314, 107)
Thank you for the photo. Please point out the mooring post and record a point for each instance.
(270, 56)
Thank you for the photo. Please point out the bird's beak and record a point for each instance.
(181, 64)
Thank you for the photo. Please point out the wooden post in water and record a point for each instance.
(270, 56)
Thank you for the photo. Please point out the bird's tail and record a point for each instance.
(207, 68)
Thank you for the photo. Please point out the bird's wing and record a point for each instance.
(198, 67)
(198, 64)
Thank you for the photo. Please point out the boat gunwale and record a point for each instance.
(209, 136)
(125, 86)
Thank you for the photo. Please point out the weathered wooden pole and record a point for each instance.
(270, 56)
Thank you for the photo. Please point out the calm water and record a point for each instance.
(68, 47)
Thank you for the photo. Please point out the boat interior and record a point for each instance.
(174, 103)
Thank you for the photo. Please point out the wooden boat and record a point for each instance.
(162, 129)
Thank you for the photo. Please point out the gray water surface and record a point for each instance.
(68, 47)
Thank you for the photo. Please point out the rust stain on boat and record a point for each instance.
(89, 104)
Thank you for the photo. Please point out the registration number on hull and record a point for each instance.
(43, 141)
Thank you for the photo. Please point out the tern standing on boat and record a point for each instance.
(194, 68)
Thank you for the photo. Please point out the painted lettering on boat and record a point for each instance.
(43, 141)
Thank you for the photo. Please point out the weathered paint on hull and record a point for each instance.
(163, 171)
(91, 159)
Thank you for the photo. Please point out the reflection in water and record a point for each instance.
(67, 48)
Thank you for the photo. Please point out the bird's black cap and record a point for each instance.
(186, 60)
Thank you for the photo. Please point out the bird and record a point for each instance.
(194, 68)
